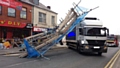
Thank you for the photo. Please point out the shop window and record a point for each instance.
(53, 20)
(0, 9)
(11, 12)
(42, 17)
(23, 13)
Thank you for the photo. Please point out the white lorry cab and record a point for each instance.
(88, 36)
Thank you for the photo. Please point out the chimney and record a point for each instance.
(48, 7)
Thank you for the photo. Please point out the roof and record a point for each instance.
(41, 6)
(92, 23)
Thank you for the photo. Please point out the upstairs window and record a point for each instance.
(0, 9)
(42, 17)
(53, 20)
(11, 12)
(23, 13)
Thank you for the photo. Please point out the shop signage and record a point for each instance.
(37, 29)
(11, 3)
(29, 25)
(12, 24)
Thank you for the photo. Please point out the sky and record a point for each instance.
(108, 11)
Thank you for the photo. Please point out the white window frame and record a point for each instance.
(42, 18)
(53, 20)
(11, 12)
(23, 13)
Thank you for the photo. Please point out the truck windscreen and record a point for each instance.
(97, 32)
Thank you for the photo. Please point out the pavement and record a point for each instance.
(16, 52)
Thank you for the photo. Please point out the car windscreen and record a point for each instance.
(110, 38)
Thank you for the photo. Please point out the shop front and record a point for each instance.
(11, 29)
(37, 30)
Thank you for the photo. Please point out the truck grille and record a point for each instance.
(110, 42)
(96, 42)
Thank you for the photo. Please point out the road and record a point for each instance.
(60, 58)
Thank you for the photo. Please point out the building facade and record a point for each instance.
(43, 17)
(14, 22)
(32, 19)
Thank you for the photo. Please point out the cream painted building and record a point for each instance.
(42, 16)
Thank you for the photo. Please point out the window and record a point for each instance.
(11, 12)
(53, 20)
(81, 31)
(42, 17)
(0, 9)
(23, 13)
(97, 32)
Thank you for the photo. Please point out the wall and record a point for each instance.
(5, 16)
(11, 30)
(48, 18)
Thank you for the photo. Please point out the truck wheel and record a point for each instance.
(99, 53)
(78, 49)
(69, 47)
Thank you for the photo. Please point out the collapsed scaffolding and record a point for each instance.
(75, 16)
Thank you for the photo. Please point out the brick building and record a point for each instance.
(13, 22)
(42, 16)
(31, 19)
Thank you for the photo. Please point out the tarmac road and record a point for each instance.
(60, 58)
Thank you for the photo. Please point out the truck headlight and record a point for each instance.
(105, 47)
(86, 47)
(84, 42)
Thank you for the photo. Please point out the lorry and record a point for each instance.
(112, 40)
(88, 36)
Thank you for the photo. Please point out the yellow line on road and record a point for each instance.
(112, 61)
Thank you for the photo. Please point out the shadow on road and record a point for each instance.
(91, 54)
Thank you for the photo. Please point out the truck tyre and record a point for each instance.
(78, 47)
(69, 47)
(99, 53)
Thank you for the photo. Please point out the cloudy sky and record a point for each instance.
(108, 11)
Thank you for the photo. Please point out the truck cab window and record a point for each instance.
(81, 31)
(97, 32)
(103, 32)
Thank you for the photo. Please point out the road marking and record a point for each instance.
(112, 61)
(19, 63)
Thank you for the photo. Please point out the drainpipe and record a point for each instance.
(32, 18)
